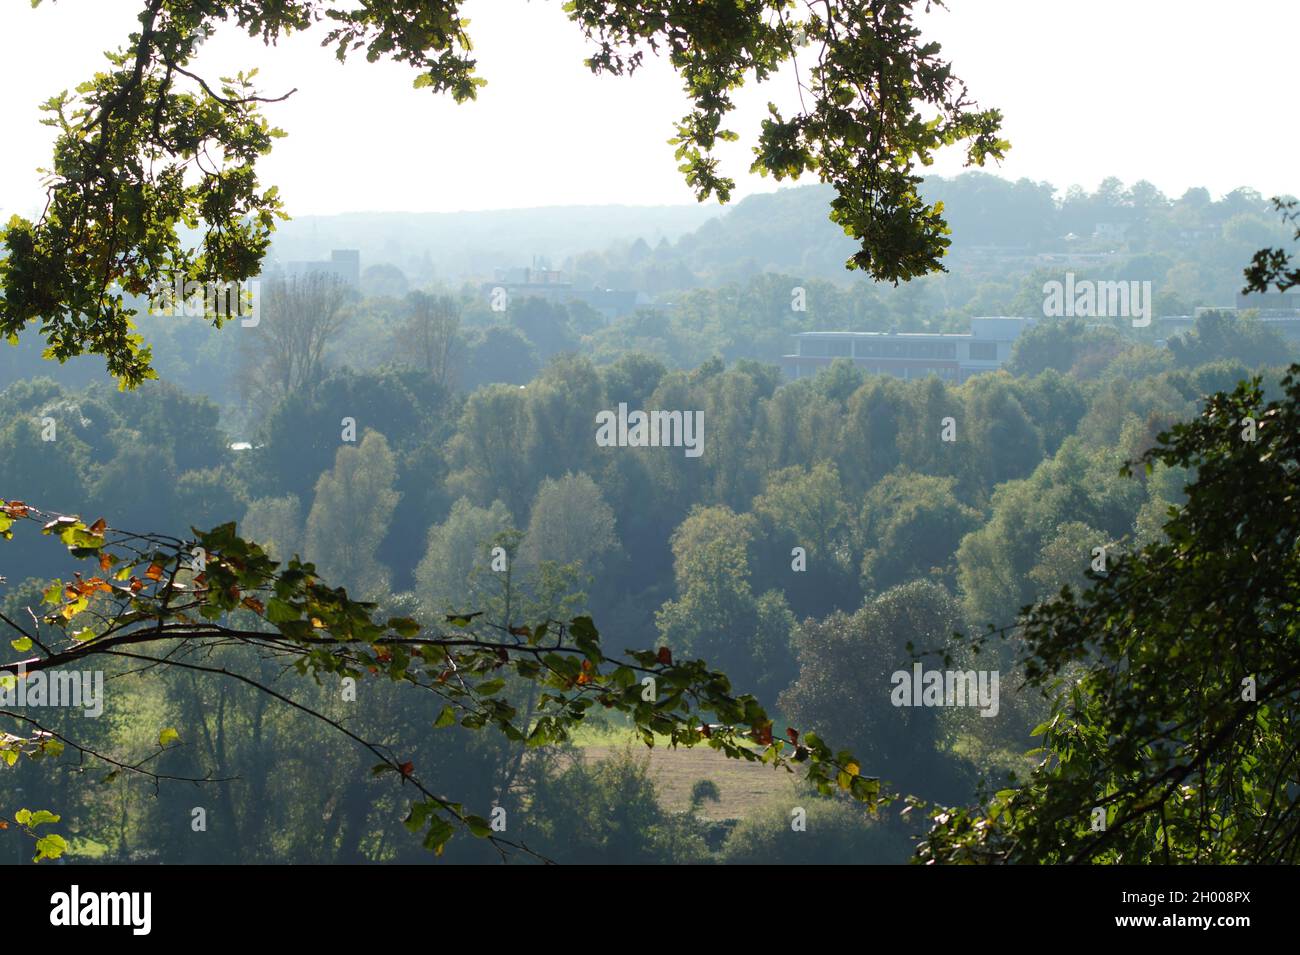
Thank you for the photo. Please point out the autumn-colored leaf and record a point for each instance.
(137, 585)
(154, 572)
(105, 561)
(16, 509)
(763, 733)
(253, 604)
(383, 654)
(407, 768)
(665, 656)
(99, 527)
(792, 734)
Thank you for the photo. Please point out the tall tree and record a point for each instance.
(285, 352)
(430, 333)
(349, 517)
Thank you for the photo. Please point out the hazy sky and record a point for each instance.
(1180, 92)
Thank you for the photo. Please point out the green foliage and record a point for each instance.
(836, 834)
(843, 689)
(1275, 266)
(911, 526)
(1220, 335)
(354, 503)
(155, 597)
(716, 612)
(607, 813)
(702, 791)
(1180, 727)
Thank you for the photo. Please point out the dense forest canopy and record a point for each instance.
(372, 545)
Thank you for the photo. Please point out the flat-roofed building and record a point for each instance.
(952, 357)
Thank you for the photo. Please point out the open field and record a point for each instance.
(742, 786)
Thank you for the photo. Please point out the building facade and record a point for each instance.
(952, 357)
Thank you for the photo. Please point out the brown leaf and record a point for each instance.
(253, 604)
(99, 527)
(792, 734)
(407, 768)
(154, 572)
(665, 656)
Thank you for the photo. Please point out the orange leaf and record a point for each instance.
(154, 572)
(136, 585)
(99, 527)
(407, 768)
(105, 562)
(253, 604)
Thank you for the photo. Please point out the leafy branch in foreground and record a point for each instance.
(148, 148)
(163, 602)
(1175, 735)
(1273, 266)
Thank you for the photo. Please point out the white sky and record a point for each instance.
(1180, 92)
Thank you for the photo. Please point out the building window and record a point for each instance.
(983, 351)
(824, 348)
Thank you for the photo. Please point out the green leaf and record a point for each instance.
(50, 847)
